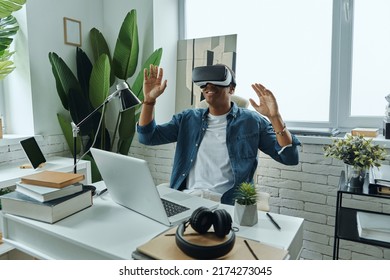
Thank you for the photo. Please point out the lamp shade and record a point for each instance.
(127, 97)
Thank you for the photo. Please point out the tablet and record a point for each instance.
(33, 152)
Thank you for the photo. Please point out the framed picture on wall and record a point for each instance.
(72, 32)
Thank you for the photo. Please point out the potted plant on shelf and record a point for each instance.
(245, 206)
(359, 155)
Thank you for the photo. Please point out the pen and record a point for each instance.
(273, 221)
(250, 250)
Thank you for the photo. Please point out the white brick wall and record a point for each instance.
(307, 190)
(53, 145)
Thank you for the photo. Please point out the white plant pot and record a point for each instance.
(245, 215)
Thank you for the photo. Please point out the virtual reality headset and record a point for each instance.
(218, 75)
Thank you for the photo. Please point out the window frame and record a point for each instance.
(346, 19)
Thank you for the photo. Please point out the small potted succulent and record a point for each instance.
(245, 206)
(359, 155)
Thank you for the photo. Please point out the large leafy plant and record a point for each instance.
(81, 94)
(8, 28)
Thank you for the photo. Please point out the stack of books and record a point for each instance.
(47, 196)
(380, 179)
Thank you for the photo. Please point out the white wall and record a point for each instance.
(43, 32)
(46, 34)
(17, 85)
(166, 35)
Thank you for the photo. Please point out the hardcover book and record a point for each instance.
(43, 194)
(52, 179)
(381, 175)
(365, 132)
(50, 212)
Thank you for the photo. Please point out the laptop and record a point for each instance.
(131, 185)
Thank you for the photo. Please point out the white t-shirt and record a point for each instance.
(212, 170)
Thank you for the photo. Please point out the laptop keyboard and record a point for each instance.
(172, 208)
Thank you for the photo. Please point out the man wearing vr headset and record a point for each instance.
(216, 147)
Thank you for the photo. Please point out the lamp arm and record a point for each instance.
(92, 113)
(76, 127)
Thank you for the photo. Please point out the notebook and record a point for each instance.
(163, 247)
(131, 185)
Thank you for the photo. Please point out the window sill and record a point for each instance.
(319, 140)
(324, 140)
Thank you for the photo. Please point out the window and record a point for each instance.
(302, 51)
(371, 57)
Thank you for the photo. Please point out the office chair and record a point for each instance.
(240, 101)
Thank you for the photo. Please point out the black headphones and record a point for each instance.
(201, 220)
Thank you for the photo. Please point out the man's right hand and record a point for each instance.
(153, 86)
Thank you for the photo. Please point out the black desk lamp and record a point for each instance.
(128, 100)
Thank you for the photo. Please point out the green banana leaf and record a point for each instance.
(84, 69)
(96, 177)
(67, 131)
(65, 79)
(99, 47)
(79, 109)
(129, 118)
(98, 91)
(99, 83)
(7, 7)
(126, 51)
(66, 127)
(127, 128)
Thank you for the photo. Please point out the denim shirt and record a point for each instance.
(247, 132)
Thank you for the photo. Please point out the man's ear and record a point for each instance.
(232, 89)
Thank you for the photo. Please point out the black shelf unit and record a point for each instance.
(346, 224)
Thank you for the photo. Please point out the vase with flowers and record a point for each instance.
(359, 155)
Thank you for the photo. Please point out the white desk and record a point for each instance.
(109, 231)
(11, 173)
